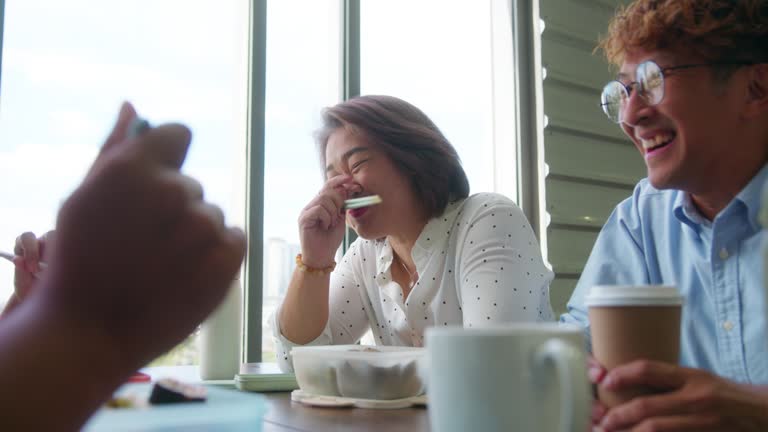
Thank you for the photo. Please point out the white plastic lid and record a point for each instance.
(634, 295)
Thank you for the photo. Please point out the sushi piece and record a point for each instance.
(365, 201)
(168, 390)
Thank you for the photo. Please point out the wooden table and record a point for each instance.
(283, 415)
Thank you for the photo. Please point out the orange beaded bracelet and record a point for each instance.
(311, 270)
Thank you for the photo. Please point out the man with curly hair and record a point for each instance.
(692, 94)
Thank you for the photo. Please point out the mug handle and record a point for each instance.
(570, 366)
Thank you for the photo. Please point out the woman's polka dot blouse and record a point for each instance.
(479, 264)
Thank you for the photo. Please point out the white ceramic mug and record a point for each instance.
(516, 377)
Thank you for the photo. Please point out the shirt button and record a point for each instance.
(727, 325)
(724, 254)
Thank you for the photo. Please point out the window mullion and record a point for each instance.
(254, 265)
(526, 45)
(350, 40)
(350, 69)
(2, 20)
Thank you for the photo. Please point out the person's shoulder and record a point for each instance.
(486, 200)
(484, 206)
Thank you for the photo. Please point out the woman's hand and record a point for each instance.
(30, 252)
(321, 223)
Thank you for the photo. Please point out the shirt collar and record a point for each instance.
(750, 196)
(434, 236)
(436, 232)
(385, 256)
(686, 212)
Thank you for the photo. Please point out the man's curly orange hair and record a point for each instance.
(716, 30)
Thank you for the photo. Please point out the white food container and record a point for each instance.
(359, 371)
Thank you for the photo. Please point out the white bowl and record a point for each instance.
(359, 371)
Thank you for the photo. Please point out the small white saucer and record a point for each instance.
(339, 401)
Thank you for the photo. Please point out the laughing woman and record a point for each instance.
(427, 255)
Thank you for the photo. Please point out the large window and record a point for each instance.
(67, 66)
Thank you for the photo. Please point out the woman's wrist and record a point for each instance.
(311, 268)
(315, 260)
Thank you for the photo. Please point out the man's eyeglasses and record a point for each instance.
(649, 86)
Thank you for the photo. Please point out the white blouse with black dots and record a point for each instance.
(478, 263)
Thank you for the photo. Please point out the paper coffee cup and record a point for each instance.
(632, 322)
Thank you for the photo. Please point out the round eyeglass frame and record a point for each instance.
(650, 86)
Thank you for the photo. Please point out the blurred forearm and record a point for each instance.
(53, 373)
(10, 305)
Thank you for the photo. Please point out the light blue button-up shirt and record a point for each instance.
(658, 237)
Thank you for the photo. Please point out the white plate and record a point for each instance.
(338, 401)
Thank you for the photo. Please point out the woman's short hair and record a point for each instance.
(409, 138)
(715, 30)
